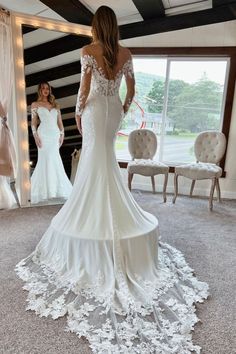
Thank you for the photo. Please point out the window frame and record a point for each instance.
(207, 53)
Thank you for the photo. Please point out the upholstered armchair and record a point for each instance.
(209, 148)
(142, 145)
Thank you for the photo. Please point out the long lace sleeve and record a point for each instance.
(59, 122)
(86, 74)
(130, 82)
(34, 120)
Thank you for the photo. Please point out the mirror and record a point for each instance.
(52, 57)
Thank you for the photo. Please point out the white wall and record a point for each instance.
(221, 34)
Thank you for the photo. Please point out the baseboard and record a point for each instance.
(183, 190)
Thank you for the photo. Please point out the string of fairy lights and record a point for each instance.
(20, 117)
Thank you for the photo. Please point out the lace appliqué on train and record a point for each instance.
(162, 325)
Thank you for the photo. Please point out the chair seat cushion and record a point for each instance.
(147, 167)
(199, 170)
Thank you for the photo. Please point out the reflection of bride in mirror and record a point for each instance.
(49, 179)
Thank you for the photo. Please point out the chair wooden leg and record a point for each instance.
(164, 187)
(213, 184)
(192, 187)
(130, 177)
(175, 188)
(153, 184)
(218, 190)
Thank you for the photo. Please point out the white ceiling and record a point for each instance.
(40, 36)
(31, 7)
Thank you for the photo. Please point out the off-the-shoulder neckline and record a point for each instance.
(49, 110)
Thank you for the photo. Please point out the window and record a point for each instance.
(176, 97)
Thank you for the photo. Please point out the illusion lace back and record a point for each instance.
(49, 179)
(99, 262)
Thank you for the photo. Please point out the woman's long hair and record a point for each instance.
(105, 30)
(51, 97)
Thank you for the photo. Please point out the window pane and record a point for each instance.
(194, 100)
(195, 97)
(141, 113)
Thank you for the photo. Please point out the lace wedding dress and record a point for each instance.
(49, 180)
(100, 262)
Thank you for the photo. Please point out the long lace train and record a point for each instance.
(161, 324)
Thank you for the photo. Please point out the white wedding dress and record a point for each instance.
(49, 180)
(100, 262)
(7, 199)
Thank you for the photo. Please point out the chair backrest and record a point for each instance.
(210, 146)
(142, 144)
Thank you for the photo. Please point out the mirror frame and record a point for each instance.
(19, 106)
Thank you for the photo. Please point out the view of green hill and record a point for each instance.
(143, 85)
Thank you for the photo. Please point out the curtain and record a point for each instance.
(7, 147)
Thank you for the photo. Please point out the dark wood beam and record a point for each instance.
(70, 121)
(68, 110)
(53, 73)
(150, 8)
(27, 29)
(71, 10)
(71, 132)
(223, 10)
(216, 3)
(55, 47)
(59, 92)
(72, 141)
(172, 23)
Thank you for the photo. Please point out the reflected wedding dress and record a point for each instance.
(100, 262)
(7, 199)
(49, 179)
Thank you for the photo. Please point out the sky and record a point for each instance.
(188, 70)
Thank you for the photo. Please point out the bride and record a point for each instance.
(99, 262)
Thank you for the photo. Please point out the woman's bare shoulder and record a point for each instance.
(124, 52)
(34, 104)
(91, 49)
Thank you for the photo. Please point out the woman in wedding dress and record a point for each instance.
(49, 179)
(100, 262)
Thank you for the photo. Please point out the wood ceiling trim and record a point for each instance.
(68, 110)
(172, 23)
(75, 11)
(222, 2)
(149, 8)
(55, 47)
(69, 122)
(71, 10)
(27, 29)
(54, 73)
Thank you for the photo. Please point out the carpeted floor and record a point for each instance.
(207, 239)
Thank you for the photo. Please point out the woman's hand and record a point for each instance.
(61, 139)
(38, 141)
(78, 123)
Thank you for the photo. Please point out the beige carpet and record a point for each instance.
(207, 239)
